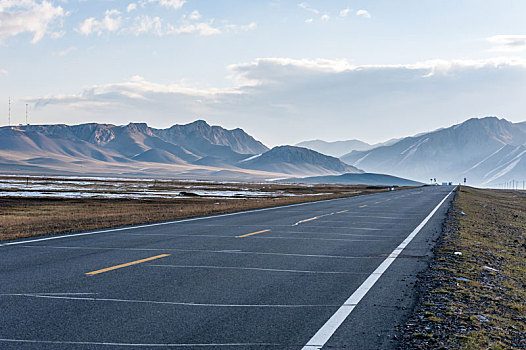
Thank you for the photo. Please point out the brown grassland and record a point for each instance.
(474, 294)
(27, 217)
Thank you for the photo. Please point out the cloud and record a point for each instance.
(202, 28)
(242, 28)
(309, 20)
(317, 97)
(114, 22)
(23, 16)
(363, 14)
(508, 42)
(325, 17)
(175, 4)
(344, 12)
(65, 52)
(146, 24)
(195, 15)
(110, 23)
(131, 7)
(4, 72)
(306, 6)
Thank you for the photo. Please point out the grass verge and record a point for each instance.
(473, 296)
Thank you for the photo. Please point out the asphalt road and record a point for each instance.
(329, 273)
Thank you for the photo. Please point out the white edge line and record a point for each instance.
(169, 222)
(30, 341)
(323, 335)
(175, 303)
(183, 220)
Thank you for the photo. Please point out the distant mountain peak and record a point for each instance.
(474, 149)
(297, 160)
(335, 148)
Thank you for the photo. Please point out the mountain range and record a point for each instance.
(191, 150)
(486, 151)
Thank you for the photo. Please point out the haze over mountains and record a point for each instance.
(486, 151)
(192, 150)
(340, 148)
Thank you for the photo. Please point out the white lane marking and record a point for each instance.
(153, 345)
(207, 251)
(344, 234)
(366, 222)
(175, 303)
(255, 269)
(258, 237)
(167, 222)
(323, 335)
(66, 293)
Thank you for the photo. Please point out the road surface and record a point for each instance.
(336, 274)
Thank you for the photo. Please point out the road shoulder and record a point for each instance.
(472, 295)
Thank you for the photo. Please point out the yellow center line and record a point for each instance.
(341, 212)
(253, 233)
(363, 206)
(126, 264)
(307, 220)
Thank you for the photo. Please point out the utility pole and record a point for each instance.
(9, 114)
(26, 114)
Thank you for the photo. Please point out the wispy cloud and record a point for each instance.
(195, 15)
(508, 43)
(325, 17)
(344, 12)
(23, 16)
(363, 14)
(192, 23)
(145, 24)
(4, 72)
(131, 7)
(174, 4)
(66, 52)
(202, 28)
(110, 23)
(307, 7)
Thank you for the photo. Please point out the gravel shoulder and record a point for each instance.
(473, 294)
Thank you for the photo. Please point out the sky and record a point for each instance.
(284, 71)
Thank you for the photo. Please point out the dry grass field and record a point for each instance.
(475, 292)
(25, 216)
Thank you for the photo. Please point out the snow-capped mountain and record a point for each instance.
(486, 151)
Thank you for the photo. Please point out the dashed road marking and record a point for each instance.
(126, 264)
(253, 233)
